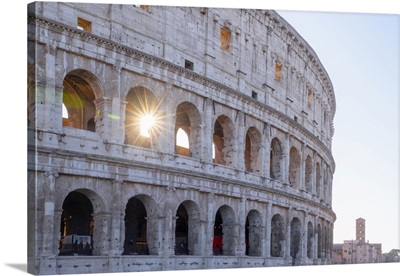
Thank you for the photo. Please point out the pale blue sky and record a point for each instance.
(361, 55)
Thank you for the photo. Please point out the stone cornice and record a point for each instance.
(118, 162)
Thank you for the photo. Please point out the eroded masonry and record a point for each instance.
(169, 138)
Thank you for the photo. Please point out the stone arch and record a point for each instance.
(142, 117)
(187, 229)
(253, 233)
(295, 238)
(252, 149)
(294, 167)
(79, 234)
(225, 232)
(276, 154)
(277, 236)
(223, 141)
(79, 94)
(310, 240)
(188, 119)
(140, 226)
(308, 174)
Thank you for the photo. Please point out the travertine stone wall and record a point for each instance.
(271, 181)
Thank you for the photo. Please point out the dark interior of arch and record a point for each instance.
(76, 224)
(135, 228)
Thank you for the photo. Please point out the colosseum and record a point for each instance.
(175, 138)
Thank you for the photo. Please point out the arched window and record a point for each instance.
(182, 142)
(142, 118)
(223, 141)
(252, 149)
(187, 130)
(294, 167)
(78, 102)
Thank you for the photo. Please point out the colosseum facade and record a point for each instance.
(175, 138)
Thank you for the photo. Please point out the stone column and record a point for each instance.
(314, 174)
(207, 130)
(155, 234)
(116, 113)
(315, 241)
(116, 246)
(241, 250)
(168, 229)
(46, 116)
(268, 218)
(122, 111)
(286, 159)
(240, 130)
(165, 140)
(287, 234)
(302, 168)
(48, 98)
(103, 118)
(304, 239)
(101, 234)
(323, 247)
(211, 212)
(265, 155)
(57, 231)
(48, 223)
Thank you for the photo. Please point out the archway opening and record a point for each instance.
(142, 117)
(277, 236)
(223, 141)
(225, 232)
(253, 234)
(295, 236)
(294, 167)
(181, 231)
(76, 225)
(182, 143)
(135, 228)
(217, 242)
(78, 103)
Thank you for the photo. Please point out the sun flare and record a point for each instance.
(147, 122)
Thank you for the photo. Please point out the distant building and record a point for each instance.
(357, 251)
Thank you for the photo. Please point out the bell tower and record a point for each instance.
(360, 229)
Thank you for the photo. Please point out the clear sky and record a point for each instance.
(361, 55)
(360, 52)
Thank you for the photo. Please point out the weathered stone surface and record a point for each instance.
(254, 93)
